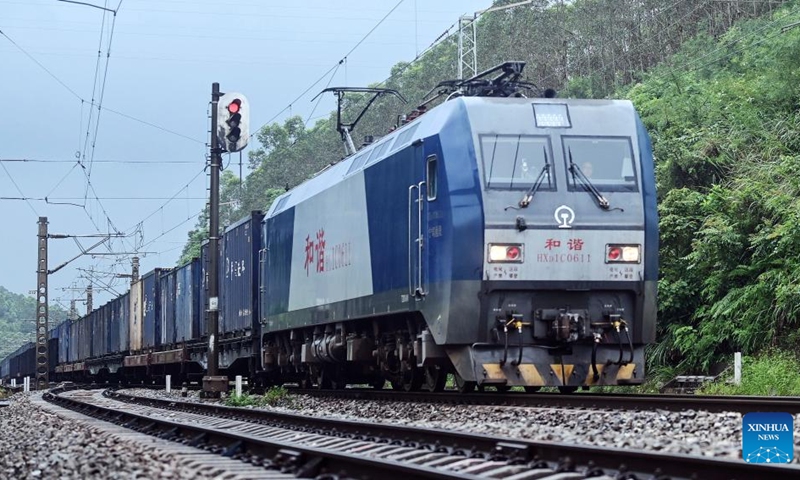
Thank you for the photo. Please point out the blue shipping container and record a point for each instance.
(123, 314)
(63, 341)
(187, 286)
(167, 310)
(240, 267)
(82, 331)
(151, 309)
(98, 332)
(52, 347)
(113, 326)
(204, 266)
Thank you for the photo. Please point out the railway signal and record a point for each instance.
(233, 122)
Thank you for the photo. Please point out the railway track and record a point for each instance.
(740, 404)
(315, 446)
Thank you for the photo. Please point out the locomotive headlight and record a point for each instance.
(623, 253)
(505, 252)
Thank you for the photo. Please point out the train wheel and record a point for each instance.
(532, 389)
(336, 379)
(464, 386)
(410, 380)
(435, 378)
(378, 383)
(567, 389)
(322, 377)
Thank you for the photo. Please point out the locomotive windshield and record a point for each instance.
(515, 161)
(606, 161)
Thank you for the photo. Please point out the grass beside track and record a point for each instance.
(274, 397)
(770, 374)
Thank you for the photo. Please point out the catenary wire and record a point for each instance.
(19, 189)
(91, 104)
(336, 66)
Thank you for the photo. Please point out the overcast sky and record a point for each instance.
(164, 55)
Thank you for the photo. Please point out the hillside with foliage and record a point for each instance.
(18, 321)
(726, 131)
(715, 82)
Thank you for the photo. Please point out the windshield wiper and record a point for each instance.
(587, 184)
(526, 200)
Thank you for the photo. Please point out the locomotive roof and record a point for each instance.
(421, 127)
(426, 125)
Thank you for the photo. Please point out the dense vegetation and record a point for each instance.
(716, 82)
(18, 322)
(724, 120)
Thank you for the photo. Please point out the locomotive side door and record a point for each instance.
(419, 194)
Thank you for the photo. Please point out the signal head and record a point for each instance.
(233, 118)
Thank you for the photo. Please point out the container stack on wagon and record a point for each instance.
(166, 317)
(187, 302)
(151, 308)
(22, 363)
(64, 341)
(81, 331)
(99, 336)
(117, 328)
(135, 318)
(203, 291)
(239, 279)
(164, 310)
(52, 347)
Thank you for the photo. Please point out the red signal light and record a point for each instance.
(614, 253)
(234, 107)
(512, 253)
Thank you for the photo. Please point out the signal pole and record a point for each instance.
(134, 270)
(42, 362)
(89, 297)
(213, 383)
(42, 272)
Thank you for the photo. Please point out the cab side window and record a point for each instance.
(431, 177)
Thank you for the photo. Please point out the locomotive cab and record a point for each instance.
(569, 228)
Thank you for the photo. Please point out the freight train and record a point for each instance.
(506, 238)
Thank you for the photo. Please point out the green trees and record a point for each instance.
(17, 320)
(724, 121)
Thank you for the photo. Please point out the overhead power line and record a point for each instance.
(19, 189)
(154, 162)
(335, 66)
(51, 200)
(76, 95)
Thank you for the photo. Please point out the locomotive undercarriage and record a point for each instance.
(401, 350)
(398, 349)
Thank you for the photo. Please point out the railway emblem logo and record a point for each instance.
(767, 437)
(564, 216)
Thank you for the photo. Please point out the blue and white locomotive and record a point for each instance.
(509, 240)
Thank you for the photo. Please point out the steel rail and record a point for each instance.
(710, 403)
(305, 462)
(559, 456)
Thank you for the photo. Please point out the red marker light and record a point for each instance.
(234, 106)
(614, 253)
(512, 253)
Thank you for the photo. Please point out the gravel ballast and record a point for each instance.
(38, 444)
(688, 432)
